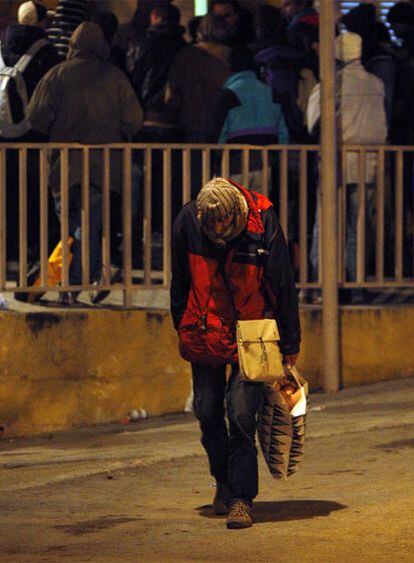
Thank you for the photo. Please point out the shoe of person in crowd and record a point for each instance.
(239, 516)
(67, 298)
(219, 506)
(33, 276)
(12, 268)
(98, 296)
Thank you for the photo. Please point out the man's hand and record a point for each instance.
(290, 359)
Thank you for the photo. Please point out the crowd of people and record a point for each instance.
(242, 78)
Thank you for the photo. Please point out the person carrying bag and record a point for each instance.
(230, 263)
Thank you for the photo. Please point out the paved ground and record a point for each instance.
(141, 492)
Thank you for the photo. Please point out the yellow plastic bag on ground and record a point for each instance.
(54, 273)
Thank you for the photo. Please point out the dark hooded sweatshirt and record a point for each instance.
(86, 100)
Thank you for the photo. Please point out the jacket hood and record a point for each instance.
(19, 38)
(256, 203)
(88, 41)
(277, 52)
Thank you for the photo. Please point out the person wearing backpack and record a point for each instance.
(25, 57)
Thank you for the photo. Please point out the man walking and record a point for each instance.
(230, 261)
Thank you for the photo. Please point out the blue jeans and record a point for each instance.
(232, 452)
(75, 230)
(352, 210)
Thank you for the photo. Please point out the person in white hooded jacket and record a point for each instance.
(361, 120)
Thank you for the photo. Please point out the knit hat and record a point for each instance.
(348, 47)
(221, 202)
(31, 13)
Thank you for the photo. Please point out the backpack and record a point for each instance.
(12, 83)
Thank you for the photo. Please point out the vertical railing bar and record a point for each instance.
(127, 226)
(360, 250)
(205, 165)
(167, 213)
(85, 216)
(265, 172)
(283, 196)
(245, 167)
(22, 217)
(3, 218)
(186, 176)
(106, 217)
(380, 213)
(44, 217)
(399, 218)
(225, 163)
(303, 217)
(64, 219)
(342, 217)
(147, 216)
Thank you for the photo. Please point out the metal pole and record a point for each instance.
(330, 324)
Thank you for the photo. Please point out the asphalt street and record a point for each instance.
(142, 492)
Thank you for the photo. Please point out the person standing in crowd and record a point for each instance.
(130, 34)
(375, 57)
(85, 100)
(25, 37)
(164, 39)
(279, 65)
(239, 19)
(361, 120)
(303, 34)
(109, 24)
(218, 244)
(68, 15)
(401, 19)
(245, 113)
(154, 56)
(196, 75)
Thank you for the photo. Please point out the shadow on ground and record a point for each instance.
(283, 511)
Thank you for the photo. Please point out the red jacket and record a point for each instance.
(259, 275)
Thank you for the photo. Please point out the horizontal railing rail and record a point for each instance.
(128, 195)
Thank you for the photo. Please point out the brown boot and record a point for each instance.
(239, 516)
(219, 506)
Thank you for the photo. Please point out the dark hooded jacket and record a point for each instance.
(280, 65)
(259, 275)
(155, 54)
(86, 100)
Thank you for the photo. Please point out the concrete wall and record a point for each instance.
(71, 368)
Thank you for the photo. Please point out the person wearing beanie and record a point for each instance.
(32, 13)
(376, 57)
(361, 120)
(229, 261)
(85, 99)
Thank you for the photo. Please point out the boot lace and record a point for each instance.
(240, 509)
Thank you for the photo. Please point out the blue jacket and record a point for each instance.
(256, 115)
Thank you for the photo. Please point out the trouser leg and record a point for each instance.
(209, 390)
(243, 401)
(75, 229)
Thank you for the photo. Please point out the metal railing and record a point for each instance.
(154, 181)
